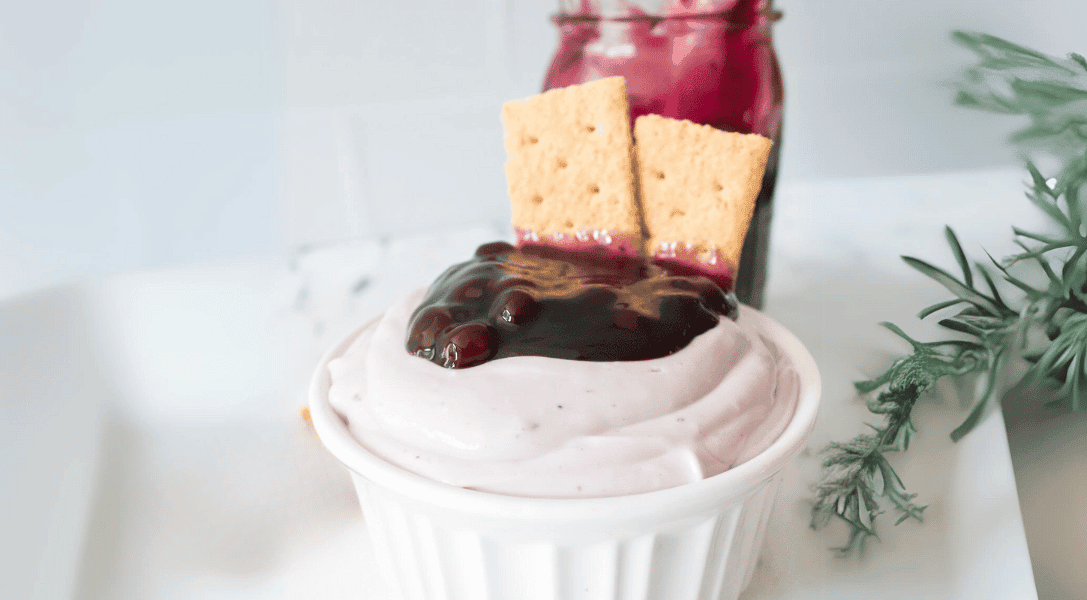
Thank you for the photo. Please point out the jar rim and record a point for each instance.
(770, 15)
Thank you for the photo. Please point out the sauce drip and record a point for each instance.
(546, 301)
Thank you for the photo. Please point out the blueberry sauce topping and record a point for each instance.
(546, 301)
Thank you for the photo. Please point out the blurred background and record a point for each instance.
(145, 134)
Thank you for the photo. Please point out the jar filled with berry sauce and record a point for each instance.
(707, 61)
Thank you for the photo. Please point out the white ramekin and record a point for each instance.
(695, 541)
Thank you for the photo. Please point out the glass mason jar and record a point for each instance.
(707, 61)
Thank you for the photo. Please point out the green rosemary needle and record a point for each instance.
(989, 325)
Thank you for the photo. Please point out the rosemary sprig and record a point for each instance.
(1013, 79)
(988, 325)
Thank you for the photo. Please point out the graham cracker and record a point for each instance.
(570, 156)
(698, 184)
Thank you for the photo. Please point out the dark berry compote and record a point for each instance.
(546, 301)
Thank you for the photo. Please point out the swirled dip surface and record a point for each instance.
(556, 428)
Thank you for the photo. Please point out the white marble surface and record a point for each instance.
(206, 483)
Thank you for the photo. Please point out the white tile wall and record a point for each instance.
(343, 53)
(867, 93)
(868, 82)
(134, 134)
(138, 134)
(411, 91)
